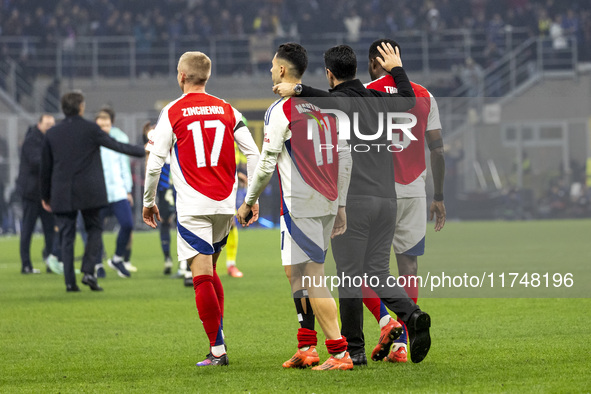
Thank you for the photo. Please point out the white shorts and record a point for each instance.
(202, 234)
(305, 239)
(411, 226)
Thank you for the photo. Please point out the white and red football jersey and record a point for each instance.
(307, 161)
(199, 130)
(410, 169)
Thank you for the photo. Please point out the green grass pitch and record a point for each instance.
(143, 334)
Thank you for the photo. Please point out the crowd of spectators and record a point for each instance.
(564, 200)
(151, 21)
(253, 23)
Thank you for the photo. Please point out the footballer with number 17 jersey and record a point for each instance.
(199, 131)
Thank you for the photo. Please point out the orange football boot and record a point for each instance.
(389, 333)
(398, 354)
(234, 272)
(336, 363)
(303, 359)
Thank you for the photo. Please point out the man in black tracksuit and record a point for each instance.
(30, 191)
(371, 202)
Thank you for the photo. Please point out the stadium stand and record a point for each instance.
(476, 56)
(32, 30)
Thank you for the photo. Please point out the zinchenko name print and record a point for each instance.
(208, 110)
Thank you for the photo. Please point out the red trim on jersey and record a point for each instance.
(409, 164)
(280, 191)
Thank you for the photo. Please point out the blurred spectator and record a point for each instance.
(433, 18)
(491, 54)
(409, 20)
(51, 100)
(511, 205)
(555, 202)
(557, 34)
(264, 22)
(144, 34)
(471, 76)
(391, 23)
(478, 7)
(352, 23)
(544, 23)
(495, 31)
(571, 24)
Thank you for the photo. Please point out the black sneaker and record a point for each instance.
(188, 281)
(210, 359)
(359, 359)
(29, 270)
(419, 340)
(167, 266)
(99, 271)
(90, 281)
(120, 268)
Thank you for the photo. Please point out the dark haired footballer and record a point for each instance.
(314, 187)
(411, 173)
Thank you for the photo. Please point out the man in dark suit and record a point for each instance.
(29, 190)
(72, 180)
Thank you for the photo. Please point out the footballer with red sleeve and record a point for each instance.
(411, 216)
(199, 131)
(314, 177)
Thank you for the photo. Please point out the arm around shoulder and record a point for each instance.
(103, 139)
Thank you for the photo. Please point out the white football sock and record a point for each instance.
(218, 350)
(384, 320)
(339, 355)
